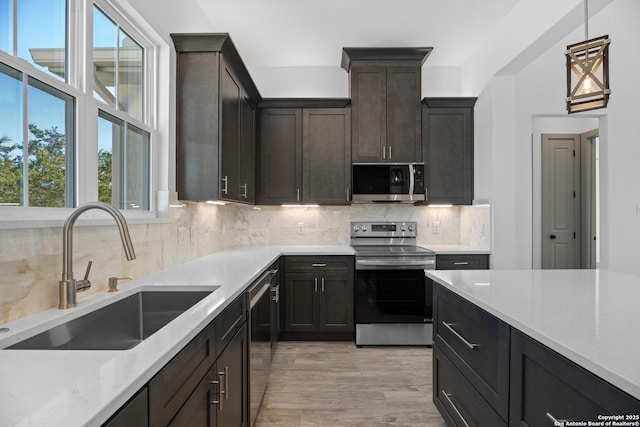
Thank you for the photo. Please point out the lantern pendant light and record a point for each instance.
(588, 71)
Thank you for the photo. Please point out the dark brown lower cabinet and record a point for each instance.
(211, 368)
(220, 397)
(318, 297)
(474, 384)
(457, 400)
(546, 386)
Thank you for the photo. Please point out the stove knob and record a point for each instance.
(402, 228)
(411, 228)
(356, 228)
(364, 228)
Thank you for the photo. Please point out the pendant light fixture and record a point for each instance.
(588, 71)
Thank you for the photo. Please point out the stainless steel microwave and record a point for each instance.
(388, 182)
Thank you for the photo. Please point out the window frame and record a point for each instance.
(79, 85)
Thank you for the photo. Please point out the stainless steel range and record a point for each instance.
(393, 300)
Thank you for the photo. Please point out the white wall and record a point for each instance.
(539, 90)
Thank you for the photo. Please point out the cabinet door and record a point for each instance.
(230, 133)
(336, 304)
(545, 385)
(246, 155)
(404, 121)
(280, 156)
(232, 372)
(369, 125)
(448, 154)
(200, 410)
(301, 302)
(326, 147)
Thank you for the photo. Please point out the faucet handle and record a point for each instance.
(113, 283)
(84, 284)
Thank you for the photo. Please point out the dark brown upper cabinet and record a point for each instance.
(305, 152)
(215, 141)
(447, 132)
(385, 90)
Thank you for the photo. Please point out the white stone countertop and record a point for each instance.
(455, 249)
(589, 316)
(78, 388)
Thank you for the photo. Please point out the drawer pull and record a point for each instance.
(460, 337)
(461, 263)
(447, 397)
(555, 421)
(318, 265)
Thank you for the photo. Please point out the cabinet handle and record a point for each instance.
(322, 281)
(226, 383)
(461, 263)
(389, 152)
(447, 397)
(460, 337)
(555, 421)
(348, 198)
(297, 195)
(384, 152)
(244, 193)
(225, 181)
(216, 402)
(318, 264)
(315, 284)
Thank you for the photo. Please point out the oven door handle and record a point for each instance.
(392, 262)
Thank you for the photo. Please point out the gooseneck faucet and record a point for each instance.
(67, 286)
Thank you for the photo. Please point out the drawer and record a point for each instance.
(456, 399)
(319, 264)
(462, 262)
(544, 382)
(174, 383)
(229, 321)
(477, 343)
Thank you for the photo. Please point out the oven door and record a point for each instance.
(392, 296)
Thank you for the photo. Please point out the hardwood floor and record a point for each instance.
(338, 384)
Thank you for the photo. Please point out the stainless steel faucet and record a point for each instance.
(67, 286)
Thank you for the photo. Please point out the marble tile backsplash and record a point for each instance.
(31, 260)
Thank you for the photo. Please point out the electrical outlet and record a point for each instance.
(435, 227)
(182, 236)
(301, 228)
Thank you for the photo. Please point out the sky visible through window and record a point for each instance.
(49, 17)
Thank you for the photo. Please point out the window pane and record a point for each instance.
(105, 37)
(42, 27)
(130, 84)
(11, 152)
(110, 135)
(50, 162)
(6, 26)
(136, 171)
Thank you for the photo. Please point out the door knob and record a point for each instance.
(552, 237)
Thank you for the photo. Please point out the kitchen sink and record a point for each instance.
(120, 325)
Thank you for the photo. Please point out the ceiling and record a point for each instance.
(309, 33)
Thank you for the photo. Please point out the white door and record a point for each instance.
(560, 201)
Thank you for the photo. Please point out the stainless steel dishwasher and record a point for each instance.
(260, 338)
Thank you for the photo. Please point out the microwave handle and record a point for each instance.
(411, 179)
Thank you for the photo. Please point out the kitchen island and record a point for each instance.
(79, 387)
(584, 321)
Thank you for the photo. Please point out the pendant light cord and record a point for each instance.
(586, 19)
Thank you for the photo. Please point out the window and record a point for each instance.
(123, 164)
(40, 173)
(46, 50)
(41, 87)
(118, 66)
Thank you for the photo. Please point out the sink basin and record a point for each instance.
(120, 325)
